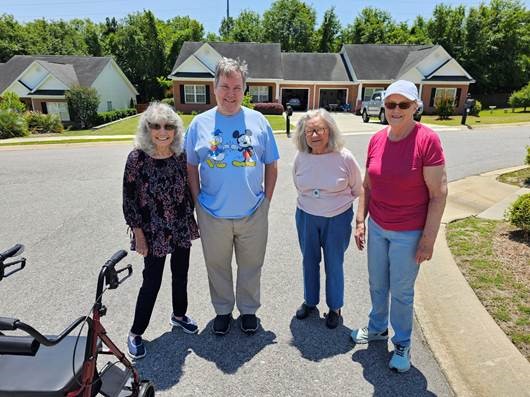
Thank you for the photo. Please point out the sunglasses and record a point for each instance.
(401, 105)
(167, 127)
(319, 131)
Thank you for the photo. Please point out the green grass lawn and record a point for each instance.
(493, 257)
(495, 116)
(519, 178)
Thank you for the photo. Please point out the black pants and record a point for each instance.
(152, 279)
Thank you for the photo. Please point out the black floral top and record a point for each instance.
(157, 199)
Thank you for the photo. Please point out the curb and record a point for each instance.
(475, 355)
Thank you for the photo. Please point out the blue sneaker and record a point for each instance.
(135, 347)
(187, 324)
(400, 360)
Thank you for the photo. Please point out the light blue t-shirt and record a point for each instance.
(231, 152)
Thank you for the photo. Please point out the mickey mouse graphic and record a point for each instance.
(244, 143)
(216, 152)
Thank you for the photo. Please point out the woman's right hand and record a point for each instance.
(141, 242)
(360, 235)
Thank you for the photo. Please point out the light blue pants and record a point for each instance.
(392, 269)
(332, 236)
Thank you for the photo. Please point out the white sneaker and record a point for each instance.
(363, 336)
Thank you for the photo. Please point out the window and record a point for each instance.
(369, 91)
(109, 106)
(60, 108)
(260, 93)
(450, 92)
(194, 94)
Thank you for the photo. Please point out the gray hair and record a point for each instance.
(336, 141)
(227, 66)
(158, 113)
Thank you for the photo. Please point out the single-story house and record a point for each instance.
(319, 79)
(41, 81)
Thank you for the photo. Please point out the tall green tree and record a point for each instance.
(418, 31)
(54, 38)
(327, 35)
(225, 30)
(139, 51)
(12, 38)
(290, 23)
(446, 27)
(247, 27)
(371, 26)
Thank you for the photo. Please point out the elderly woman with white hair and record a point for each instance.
(405, 188)
(158, 208)
(328, 180)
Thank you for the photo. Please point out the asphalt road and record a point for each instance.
(64, 204)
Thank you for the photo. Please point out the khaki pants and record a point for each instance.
(248, 238)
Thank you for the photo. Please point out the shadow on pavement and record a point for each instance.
(386, 382)
(315, 341)
(166, 355)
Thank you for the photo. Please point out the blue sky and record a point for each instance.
(209, 12)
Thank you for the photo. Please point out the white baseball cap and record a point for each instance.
(402, 87)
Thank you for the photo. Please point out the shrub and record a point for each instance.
(269, 108)
(39, 123)
(83, 105)
(107, 117)
(194, 113)
(519, 213)
(12, 124)
(527, 155)
(475, 110)
(169, 101)
(247, 101)
(11, 101)
(520, 98)
(444, 106)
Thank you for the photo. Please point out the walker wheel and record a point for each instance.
(147, 389)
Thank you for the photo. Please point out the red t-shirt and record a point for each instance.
(399, 196)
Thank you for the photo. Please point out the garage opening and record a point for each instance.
(297, 98)
(332, 99)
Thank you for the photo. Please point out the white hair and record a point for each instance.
(335, 143)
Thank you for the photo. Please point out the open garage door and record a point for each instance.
(296, 97)
(332, 99)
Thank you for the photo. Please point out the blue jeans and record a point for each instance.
(331, 235)
(392, 268)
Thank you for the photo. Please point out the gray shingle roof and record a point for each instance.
(263, 59)
(69, 69)
(313, 67)
(382, 61)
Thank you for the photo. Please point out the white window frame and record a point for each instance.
(60, 109)
(193, 94)
(371, 91)
(450, 91)
(260, 93)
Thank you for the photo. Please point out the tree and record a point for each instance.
(418, 32)
(372, 26)
(174, 32)
(247, 27)
(446, 27)
(290, 23)
(54, 38)
(226, 27)
(327, 35)
(83, 105)
(12, 39)
(139, 52)
(11, 101)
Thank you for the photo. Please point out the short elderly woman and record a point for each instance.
(405, 188)
(328, 180)
(157, 206)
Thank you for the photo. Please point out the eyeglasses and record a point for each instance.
(401, 105)
(319, 131)
(167, 127)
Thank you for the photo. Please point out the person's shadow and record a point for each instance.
(316, 342)
(387, 382)
(166, 355)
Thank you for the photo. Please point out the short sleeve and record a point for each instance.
(190, 141)
(270, 153)
(433, 151)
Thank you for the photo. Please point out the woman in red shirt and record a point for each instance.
(405, 189)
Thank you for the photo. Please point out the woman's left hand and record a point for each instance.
(424, 250)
